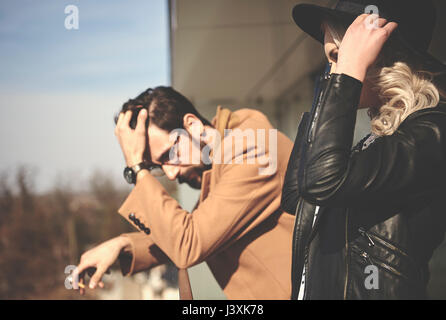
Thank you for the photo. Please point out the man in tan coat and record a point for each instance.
(237, 227)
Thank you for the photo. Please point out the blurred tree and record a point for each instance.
(40, 234)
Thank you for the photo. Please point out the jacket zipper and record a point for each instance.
(387, 244)
(372, 235)
(315, 115)
(366, 234)
(396, 249)
(379, 262)
(386, 266)
(346, 255)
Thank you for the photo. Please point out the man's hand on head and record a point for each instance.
(133, 142)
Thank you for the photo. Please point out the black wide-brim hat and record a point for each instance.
(416, 22)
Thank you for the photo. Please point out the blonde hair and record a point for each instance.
(401, 88)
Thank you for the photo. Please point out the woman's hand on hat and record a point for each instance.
(362, 44)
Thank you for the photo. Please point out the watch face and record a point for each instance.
(129, 175)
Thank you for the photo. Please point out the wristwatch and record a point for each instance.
(130, 173)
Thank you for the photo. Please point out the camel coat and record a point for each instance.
(238, 227)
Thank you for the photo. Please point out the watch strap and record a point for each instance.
(137, 168)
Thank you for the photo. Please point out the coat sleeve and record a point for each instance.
(239, 201)
(143, 254)
(391, 170)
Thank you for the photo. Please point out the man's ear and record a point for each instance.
(192, 124)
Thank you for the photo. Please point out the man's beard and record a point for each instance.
(193, 176)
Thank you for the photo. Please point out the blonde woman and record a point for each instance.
(369, 218)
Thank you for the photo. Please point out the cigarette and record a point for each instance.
(81, 285)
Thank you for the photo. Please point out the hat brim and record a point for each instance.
(310, 17)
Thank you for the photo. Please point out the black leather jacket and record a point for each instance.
(384, 206)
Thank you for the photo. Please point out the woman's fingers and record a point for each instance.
(390, 27)
(381, 22)
(360, 19)
(362, 44)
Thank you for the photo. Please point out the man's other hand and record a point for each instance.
(95, 262)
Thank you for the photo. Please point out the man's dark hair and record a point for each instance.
(166, 108)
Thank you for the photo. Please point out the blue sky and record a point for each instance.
(59, 88)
